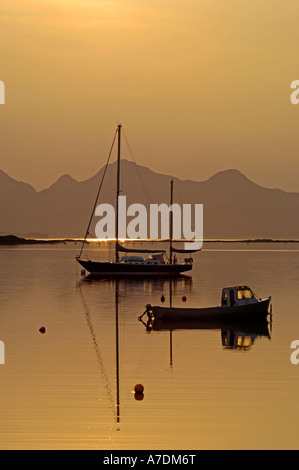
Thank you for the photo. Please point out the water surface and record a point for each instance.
(70, 388)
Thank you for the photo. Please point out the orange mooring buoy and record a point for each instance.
(139, 388)
(138, 396)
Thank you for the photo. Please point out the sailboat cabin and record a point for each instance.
(152, 259)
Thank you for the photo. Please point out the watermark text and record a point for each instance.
(2, 353)
(2, 92)
(187, 222)
(295, 94)
(295, 354)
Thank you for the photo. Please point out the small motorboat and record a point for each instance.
(238, 303)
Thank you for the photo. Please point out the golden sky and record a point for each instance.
(199, 86)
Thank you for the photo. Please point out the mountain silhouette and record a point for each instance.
(234, 206)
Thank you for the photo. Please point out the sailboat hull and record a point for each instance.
(125, 269)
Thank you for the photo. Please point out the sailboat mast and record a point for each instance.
(117, 193)
(171, 223)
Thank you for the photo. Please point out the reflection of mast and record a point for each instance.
(170, 332)
(117, 351)
(173, 282)
(98, 352)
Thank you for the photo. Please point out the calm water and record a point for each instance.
(63, 389)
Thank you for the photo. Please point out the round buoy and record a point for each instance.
(139, 396)
(139, 388)
(83, 272)
(184, 298)
(42, 329)
(162, 298)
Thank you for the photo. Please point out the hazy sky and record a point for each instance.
(199, 86)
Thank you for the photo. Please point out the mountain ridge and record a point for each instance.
(234, 206)
(220, 173)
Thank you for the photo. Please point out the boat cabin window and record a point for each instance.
(224, 298)
(244, 294)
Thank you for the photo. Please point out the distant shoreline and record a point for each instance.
(14, 240)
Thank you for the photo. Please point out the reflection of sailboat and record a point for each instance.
(155, 285)
(154, 265)
(107, 386)
(122, 288)
(117, 352)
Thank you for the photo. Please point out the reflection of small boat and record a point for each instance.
(237, 303)
(242, 340)
(258, 328)
(234, 335)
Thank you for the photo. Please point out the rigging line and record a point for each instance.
(178, 194)
(146, 193)
(98, 193)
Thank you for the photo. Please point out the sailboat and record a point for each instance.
(132, 264)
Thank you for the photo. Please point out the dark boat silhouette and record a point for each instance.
(133, 264)
(238, 303)
(238, 332)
